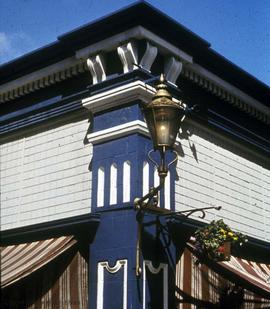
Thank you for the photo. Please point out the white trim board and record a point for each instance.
(155, 271)
(100, 280)
(120, 95)
(136, 126)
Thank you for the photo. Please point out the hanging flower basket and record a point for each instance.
(225, 251)
(215, 240)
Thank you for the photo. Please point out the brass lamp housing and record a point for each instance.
(163, 117)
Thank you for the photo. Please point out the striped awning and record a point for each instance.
(19, 261)
(200, 284)
(256, 274)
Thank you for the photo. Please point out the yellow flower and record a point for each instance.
(230, 234)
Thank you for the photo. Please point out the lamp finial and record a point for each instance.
(162, 78)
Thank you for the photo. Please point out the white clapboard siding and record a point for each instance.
(217, 175)
(45, 175)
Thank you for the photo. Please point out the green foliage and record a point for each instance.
(211, 238)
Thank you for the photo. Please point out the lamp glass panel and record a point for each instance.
(163, 123)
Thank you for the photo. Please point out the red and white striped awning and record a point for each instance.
(256, 274)
(198, 284)
(19, 261)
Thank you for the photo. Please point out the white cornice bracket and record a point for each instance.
(128, 56)
(172, 69)
(96, 65)
(149, 57)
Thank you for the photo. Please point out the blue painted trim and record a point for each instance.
(30, 109)
(115, 240)
(40, 117)
(118, 151)
(110, 118)
(114, 81)
(57, 106)
(113, 289)
(157, 246)
(238, 132)
(55, 228)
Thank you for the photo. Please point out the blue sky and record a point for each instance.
(237, 29)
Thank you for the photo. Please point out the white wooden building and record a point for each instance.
(74, 157)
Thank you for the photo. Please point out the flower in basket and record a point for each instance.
(215, 240)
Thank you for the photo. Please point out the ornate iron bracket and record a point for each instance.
(141, 206)
(151, 206)
(188, 213)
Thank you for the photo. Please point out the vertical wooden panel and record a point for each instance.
(73, 283)
(187, 277)
(205, 282)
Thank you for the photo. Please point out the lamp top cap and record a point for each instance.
(162, 89)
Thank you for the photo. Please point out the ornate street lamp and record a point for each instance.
(163, 117)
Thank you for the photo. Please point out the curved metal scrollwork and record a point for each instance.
(156, 164)
(188, 213)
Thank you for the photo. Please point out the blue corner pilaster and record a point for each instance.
(159, 260)
(117, 173)
(113, 283)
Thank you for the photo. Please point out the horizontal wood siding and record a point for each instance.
(213, 172)
(46, 176)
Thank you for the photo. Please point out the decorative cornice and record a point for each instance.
(178, 62)
(41, 79)
(139, 33)
(226, 91)
(77, 64)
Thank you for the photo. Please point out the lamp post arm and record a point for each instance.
(139, 202)
(141, 206)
